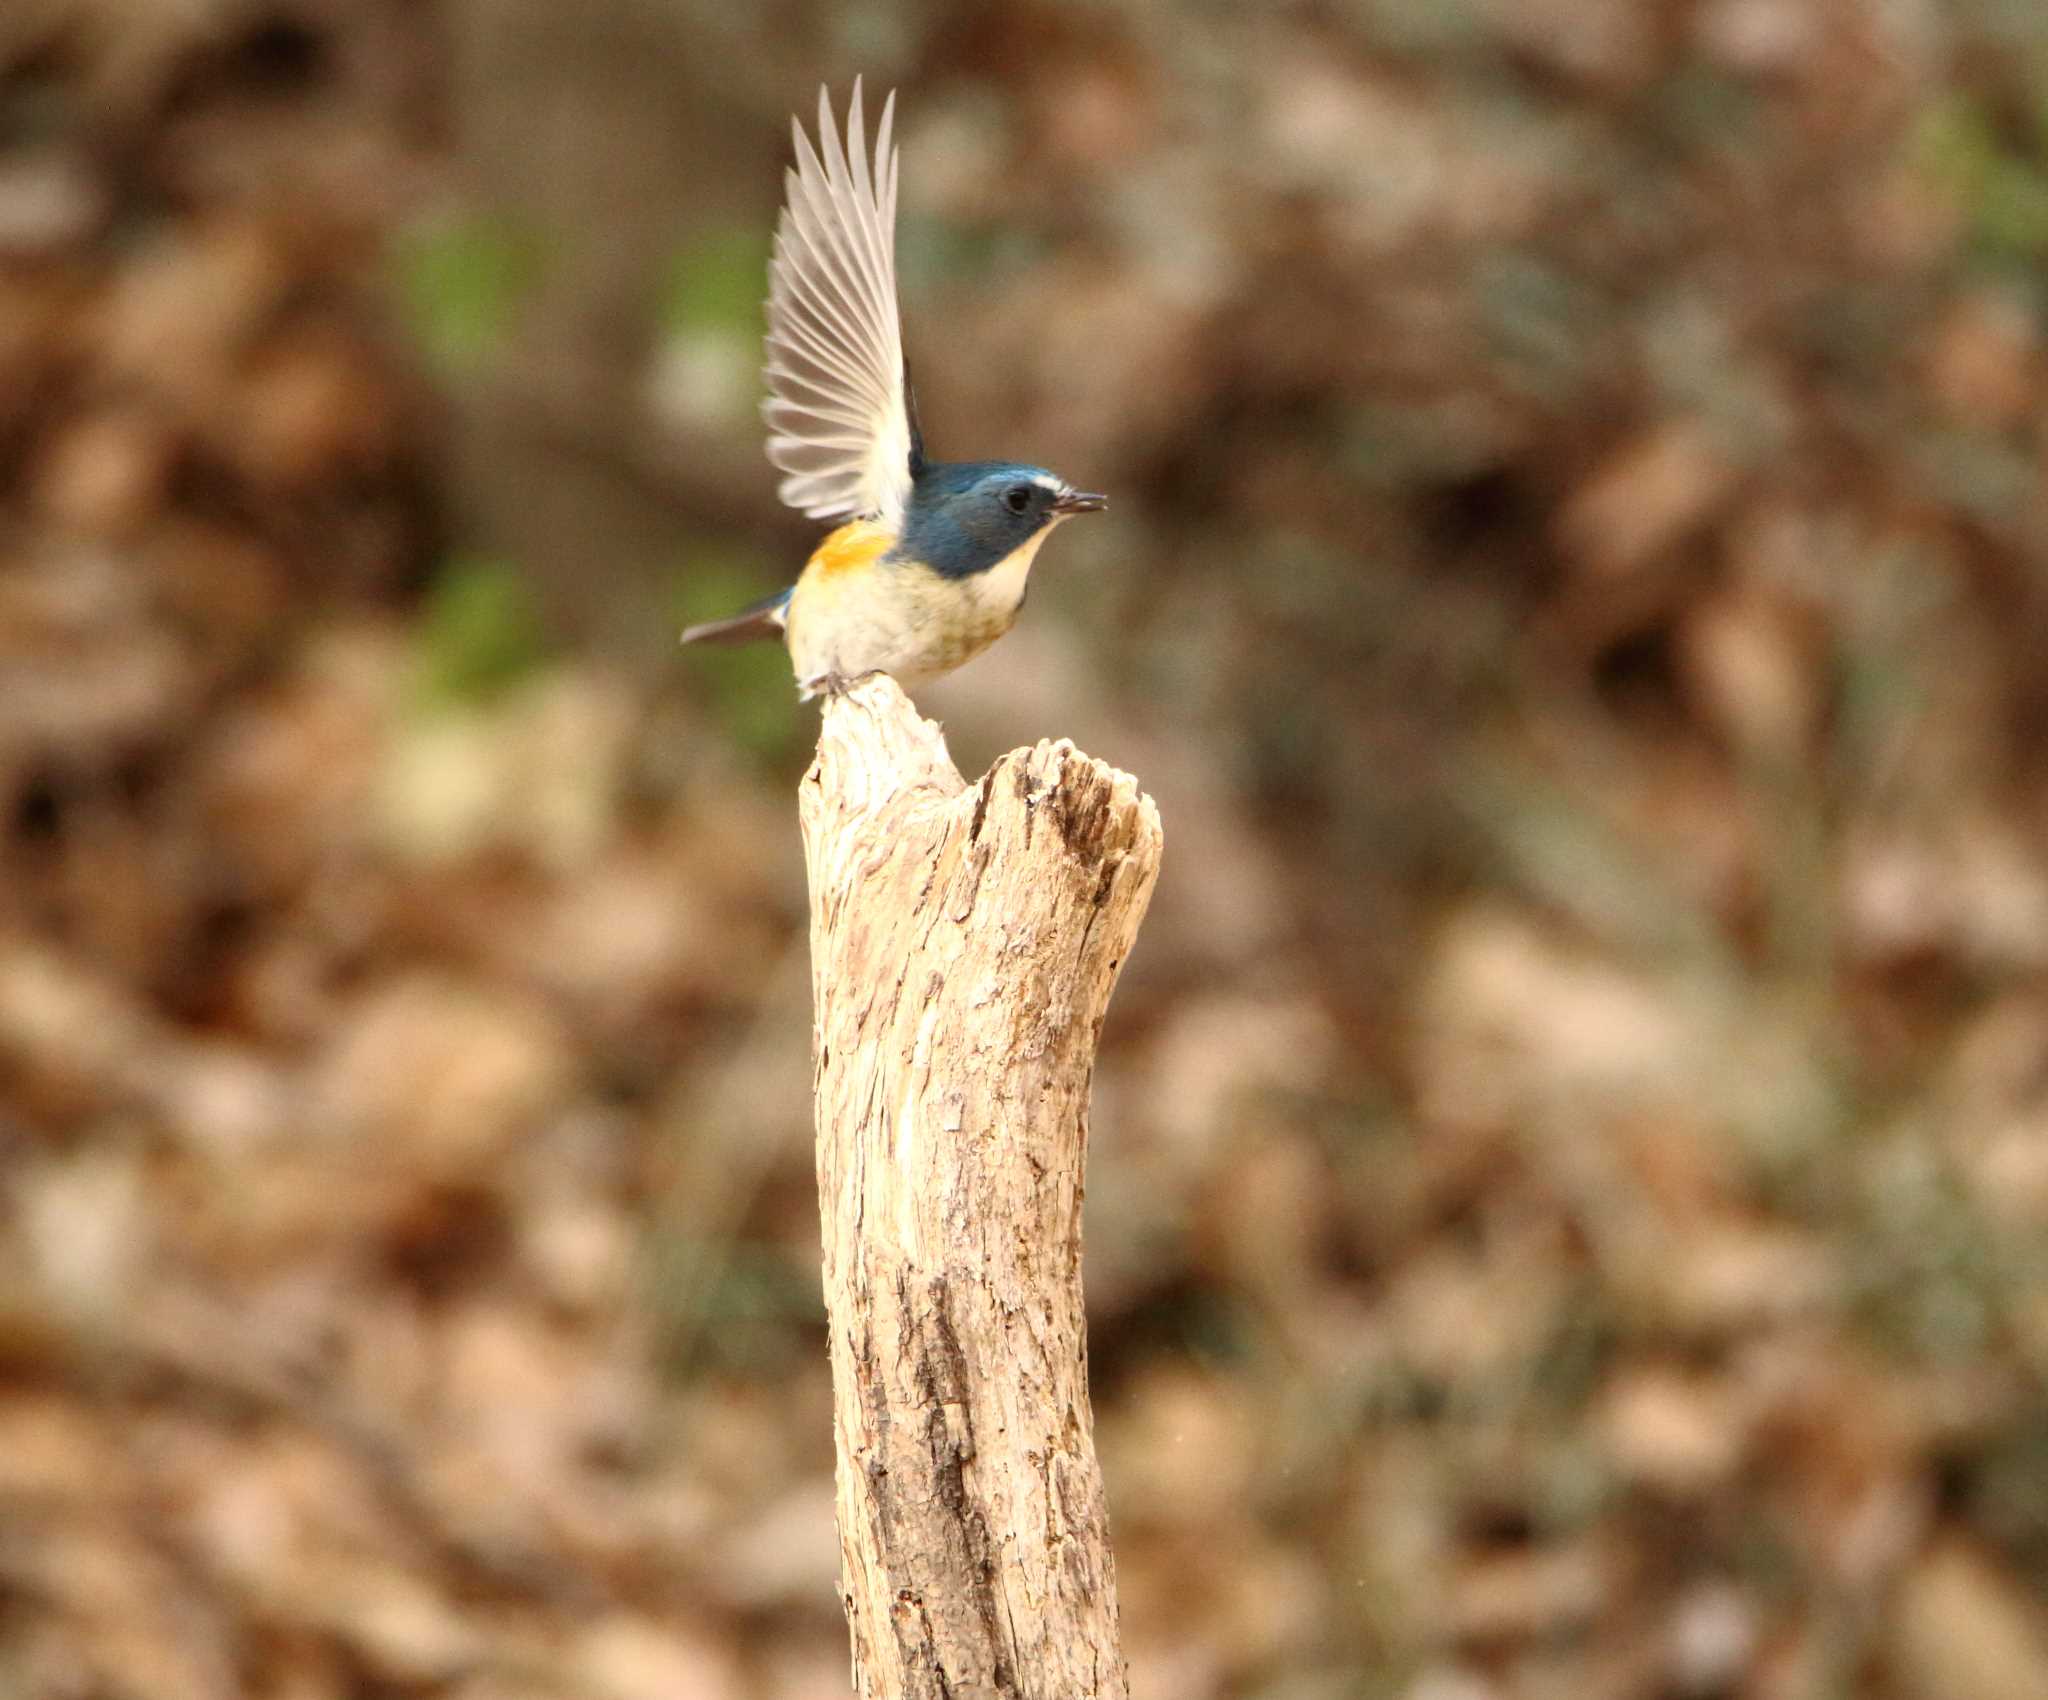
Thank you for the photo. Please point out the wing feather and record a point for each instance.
(837, 411)
(846, 173)
(833, 213)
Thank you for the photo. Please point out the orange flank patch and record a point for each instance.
(859, 543)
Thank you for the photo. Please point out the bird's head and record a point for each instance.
(966, 517)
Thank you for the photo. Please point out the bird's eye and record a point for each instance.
(1017, 498)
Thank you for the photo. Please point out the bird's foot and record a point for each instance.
(833, 683)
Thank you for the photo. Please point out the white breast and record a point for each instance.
(999, 592)
(905, 620)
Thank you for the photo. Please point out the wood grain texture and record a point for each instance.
(964, 945)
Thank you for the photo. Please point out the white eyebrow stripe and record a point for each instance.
(1044, 482)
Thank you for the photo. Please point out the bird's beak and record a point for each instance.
(1078, 502)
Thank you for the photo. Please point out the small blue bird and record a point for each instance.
(931, 564)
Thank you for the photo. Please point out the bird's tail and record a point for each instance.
(765, 619)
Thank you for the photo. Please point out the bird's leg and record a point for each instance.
(833, 683)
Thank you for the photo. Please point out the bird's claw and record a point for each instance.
(836, 684)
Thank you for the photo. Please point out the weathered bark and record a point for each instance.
(964, 944)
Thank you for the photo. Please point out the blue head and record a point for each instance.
(965, 517)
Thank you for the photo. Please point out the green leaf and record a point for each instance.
(717, 284)
(462, 284)
(1955, 143)
(2002, 190)
(749, 684)
(2012, 208)
(479, 632)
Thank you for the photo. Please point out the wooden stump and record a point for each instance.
(964, 945)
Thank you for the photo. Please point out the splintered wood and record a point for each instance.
(964, 945)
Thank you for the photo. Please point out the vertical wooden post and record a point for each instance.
(964, 945)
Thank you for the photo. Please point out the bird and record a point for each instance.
(930, 560)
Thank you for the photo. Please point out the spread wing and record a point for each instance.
(838, 412)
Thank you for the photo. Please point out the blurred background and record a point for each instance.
(1569, 1194)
